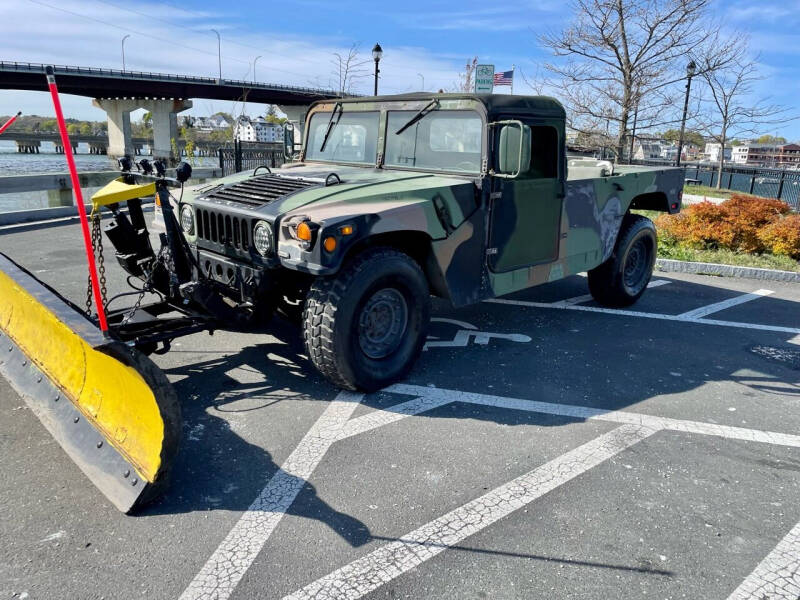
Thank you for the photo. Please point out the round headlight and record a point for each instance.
(187, 219)
(262, 238)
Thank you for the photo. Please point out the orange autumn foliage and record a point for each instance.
(742, 223)
(782, 236)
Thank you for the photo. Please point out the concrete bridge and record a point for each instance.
(164, 95)
(30, 143)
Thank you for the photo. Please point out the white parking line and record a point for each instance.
(585, 412)
(718, 306)
(777, 577)
(379, 418)
(588, 297)
(230, 561)
(645, 315)
(388, 562)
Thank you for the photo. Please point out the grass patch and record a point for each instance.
(704, 190)
(728, 257)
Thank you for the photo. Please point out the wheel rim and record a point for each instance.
(382, 323)
(636, 262)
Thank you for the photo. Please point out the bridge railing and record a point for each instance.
(242, 158)
(127, 74)
(49, 195)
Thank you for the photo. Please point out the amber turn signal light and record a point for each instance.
(329, 243)
(304, 232)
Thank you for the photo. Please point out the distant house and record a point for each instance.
(670, 151)
(212, 123)
(713, 150)
(767, 155)
(257, 130)
(647, 148)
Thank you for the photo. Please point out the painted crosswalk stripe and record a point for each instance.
(388, 562)
(230, 561)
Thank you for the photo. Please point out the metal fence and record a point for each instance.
(768, 183)
(245, 156)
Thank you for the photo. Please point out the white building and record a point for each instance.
(646, 148)
(670, 151)
(213, 123)
(713, 150)
(257, 130)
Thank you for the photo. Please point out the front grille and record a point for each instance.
(258, 191)
(225, 230)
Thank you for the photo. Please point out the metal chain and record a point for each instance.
(97, 249)
(146, 287)
(97, 234)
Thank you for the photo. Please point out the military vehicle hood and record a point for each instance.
(351, 191)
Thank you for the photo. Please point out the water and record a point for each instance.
(12, 163)
(47, 161)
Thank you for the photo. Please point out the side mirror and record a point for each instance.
(288, 141)
(513, 149)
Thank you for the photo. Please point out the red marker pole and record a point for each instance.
(8, 123)
(76, 188)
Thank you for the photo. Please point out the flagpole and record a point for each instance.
(512, 78)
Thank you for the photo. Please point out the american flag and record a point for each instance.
(504, 78)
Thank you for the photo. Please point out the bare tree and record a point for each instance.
(466, 80)
(732, 111)
(347, 69)
(621, 56)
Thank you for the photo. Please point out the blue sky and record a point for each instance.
(296, 40)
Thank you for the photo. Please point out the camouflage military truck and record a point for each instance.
(393, 199)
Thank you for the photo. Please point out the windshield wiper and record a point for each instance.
(431, 106)
(331, 124)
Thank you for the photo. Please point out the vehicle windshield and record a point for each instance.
(353, 138)
(444, 140)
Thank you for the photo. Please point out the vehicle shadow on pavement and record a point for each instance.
(219, 470)
(216, 468)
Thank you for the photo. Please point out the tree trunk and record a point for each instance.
(721, 163)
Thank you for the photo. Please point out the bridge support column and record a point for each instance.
(297, 116)
(165, 125)
(120, 141)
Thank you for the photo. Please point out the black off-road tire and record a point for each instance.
(337, 321)
(623, 278)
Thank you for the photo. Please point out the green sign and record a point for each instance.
(484, 79)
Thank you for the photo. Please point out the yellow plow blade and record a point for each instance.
(111, 409)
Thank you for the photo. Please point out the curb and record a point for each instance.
(696, 199)
(700, 268)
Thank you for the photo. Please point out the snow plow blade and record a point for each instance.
(111, 409)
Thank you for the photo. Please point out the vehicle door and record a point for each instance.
(527, 194)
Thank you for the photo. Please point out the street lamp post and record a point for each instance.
(123, 50)
(691, 68)
(421, 76)
(377, 53)
(219, 51)
(254, 68)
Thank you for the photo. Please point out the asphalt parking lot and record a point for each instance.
(543, 447)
